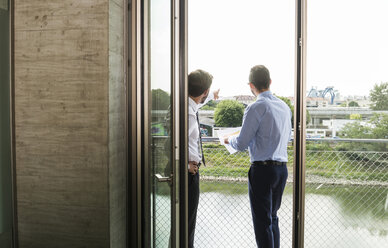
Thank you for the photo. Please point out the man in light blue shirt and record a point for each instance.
(265, 131)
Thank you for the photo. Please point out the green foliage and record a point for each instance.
(355, 130)
(322, 159)
(353, 104)
(355, 117)
(379, 96)
(288, 102)
(211, 105)
(212, 145)
(206, 107)
(160, 99)
(375, 128)
(229, 113)
(318, 146)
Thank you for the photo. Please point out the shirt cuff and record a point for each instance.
(231, 140)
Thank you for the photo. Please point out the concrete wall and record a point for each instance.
(68, 119)
(117, 124)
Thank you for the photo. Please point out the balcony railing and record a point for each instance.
(346, 196)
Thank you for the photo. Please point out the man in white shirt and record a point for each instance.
(199, 83)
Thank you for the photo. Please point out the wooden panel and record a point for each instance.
(61, 122)
(117, 125)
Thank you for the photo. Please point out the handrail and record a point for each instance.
(212, 139)
(334, 140)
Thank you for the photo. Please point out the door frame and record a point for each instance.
(138, 86)
(136, 95)
(299, 124)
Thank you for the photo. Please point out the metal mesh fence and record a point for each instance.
(224, 213)
(346, 198)
(161, 199)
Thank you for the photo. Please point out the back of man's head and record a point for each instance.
(199, 81)
(260, 77)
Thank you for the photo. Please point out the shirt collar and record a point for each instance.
(193, 105)
(264, 94)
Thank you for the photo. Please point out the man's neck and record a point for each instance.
(195, 99)
(262, 91)
(258, 92)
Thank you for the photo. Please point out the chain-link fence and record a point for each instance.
(346, 197)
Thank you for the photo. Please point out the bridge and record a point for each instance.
(322, 93)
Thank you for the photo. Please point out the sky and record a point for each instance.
(347, 43)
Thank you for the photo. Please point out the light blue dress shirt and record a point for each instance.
(266, 129)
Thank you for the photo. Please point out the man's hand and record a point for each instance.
(215, 93)
(226, 140)
(193, 168)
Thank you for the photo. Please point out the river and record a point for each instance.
(336, 216)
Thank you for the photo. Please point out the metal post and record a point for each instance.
(183, 140)
(299, 127)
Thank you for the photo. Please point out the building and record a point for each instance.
(245, 99)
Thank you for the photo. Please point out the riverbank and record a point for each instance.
(311, 179)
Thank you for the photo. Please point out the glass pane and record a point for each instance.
(347, 156)
(160, 85)
(5, 143)
(227, 38)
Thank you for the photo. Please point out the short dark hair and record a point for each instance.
(260, 77)
(199, 81)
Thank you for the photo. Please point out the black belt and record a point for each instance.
(269, 162)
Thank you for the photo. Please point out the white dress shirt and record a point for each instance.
(194, 149)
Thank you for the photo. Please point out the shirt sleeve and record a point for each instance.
(193, 146)
(290, 134)
(192, 127)
(250, 125)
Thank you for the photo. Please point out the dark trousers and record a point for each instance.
(193, 189)
(266, 185)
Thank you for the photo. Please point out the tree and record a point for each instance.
(379, 96)
(211, 105)
(160, 99)
(379, 122)
(375, 128)
(353, 104)
(228, 113)
(356, 130)
(355, 117)
(288, 102)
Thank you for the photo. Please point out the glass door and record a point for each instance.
(160, 92)
(161, 129)
(5, 143)
(260, 32)
(347, 141)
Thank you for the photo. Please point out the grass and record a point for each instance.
(321, 160)
(326, 163)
